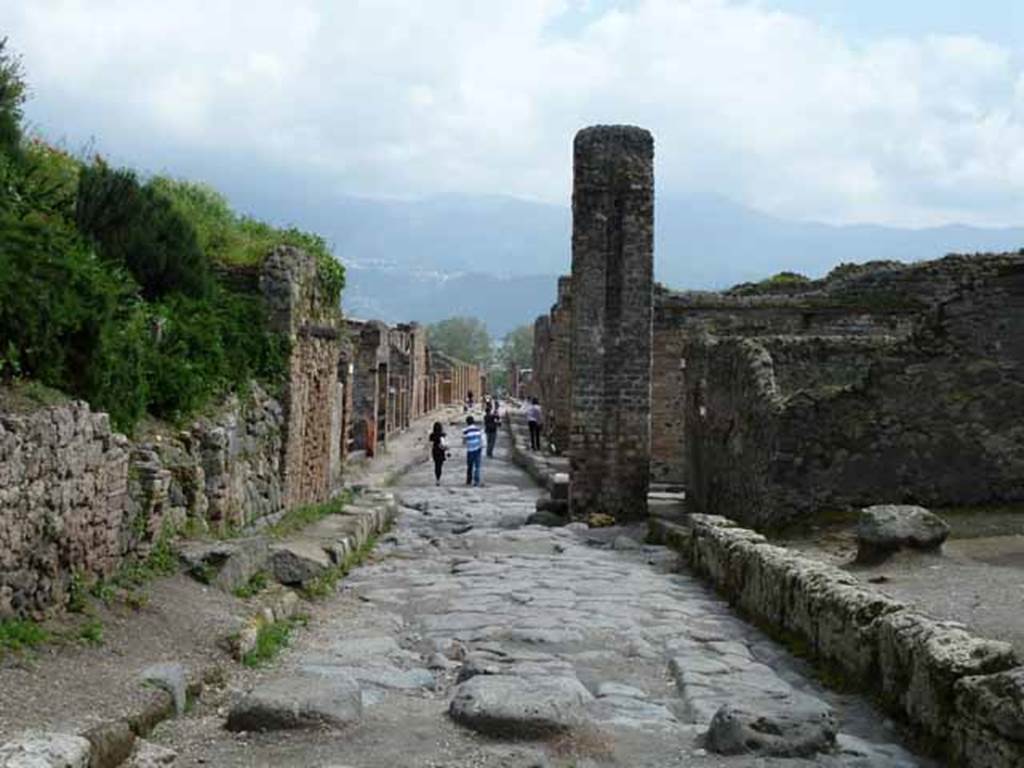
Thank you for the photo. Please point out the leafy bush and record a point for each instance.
(230, 239)
(107, 290)
(208, 348)
(140, 228)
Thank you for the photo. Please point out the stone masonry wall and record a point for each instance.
(64, 503)
(291, 289)
(612, 284)
(785, 426)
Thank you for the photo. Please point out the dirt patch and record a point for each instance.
(75, 683)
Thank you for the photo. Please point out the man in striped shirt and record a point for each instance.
(474, 442)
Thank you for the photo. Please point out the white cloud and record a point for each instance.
(405, 98)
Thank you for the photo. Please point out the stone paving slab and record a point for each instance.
(499, 645)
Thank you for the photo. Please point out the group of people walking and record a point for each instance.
(476, 439)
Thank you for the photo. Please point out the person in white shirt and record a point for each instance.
(473, 439)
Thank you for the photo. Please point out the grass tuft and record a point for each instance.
(301, 517)
(259, 582)
(270, 641)
(20, 635)
(325, 585)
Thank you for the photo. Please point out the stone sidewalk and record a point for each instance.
(473, 640)
(187, 625)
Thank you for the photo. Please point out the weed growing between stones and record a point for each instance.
(20, 635)
(271, 640)
(259, 581)
(324, 585)
(296, 519)
(91, 633)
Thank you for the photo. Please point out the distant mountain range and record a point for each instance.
(497, 258)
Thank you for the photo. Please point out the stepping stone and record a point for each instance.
(796, 725)
(517, 707)
(298, 701)
(296, 563)
(170, 677)
(886, 528)
(45, 750)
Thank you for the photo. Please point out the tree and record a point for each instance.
(12, 97)
(517, 347)
(139, 228)
(464, 338)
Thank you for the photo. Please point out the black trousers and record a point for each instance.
(438, 464)
(534, 435)
(492, 438)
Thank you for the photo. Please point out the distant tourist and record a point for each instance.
(534, 418)
(473, 440)
(438, 450)
(491, 424)
(468, 406)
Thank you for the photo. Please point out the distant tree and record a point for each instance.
(464, 338)
(12, 98)
(517, 347)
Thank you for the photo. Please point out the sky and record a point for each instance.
(900, 112)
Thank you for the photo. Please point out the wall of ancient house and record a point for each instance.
(370, 352)
(781, 427)
(312, 399)
(63, 503)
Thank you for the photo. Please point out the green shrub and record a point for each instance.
(19, 634)
(136, 226)
(234, 240)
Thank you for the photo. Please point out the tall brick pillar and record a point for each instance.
(613, 287)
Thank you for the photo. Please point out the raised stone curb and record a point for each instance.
(961, 694)
(332, 540)
(537, 464)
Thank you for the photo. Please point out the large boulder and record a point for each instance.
(886, 528)
(299, 700)
(794, 725)
(519, 707)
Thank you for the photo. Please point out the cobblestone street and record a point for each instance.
(473, 640)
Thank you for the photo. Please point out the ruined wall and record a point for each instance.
(558, 398)
(668, 464)
(299, 308)
(370, 352)
(781, 427)
(63, 503)
(612, 284)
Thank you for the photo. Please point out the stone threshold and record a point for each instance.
(962, 696)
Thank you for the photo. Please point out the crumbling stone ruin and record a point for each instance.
(76, 499)
(881, 383)
(785, 401)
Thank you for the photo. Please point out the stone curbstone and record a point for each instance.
(961, 693)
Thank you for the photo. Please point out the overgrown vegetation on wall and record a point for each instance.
(108, 282)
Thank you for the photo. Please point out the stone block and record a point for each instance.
(298, 701)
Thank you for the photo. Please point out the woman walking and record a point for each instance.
(438, 450)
